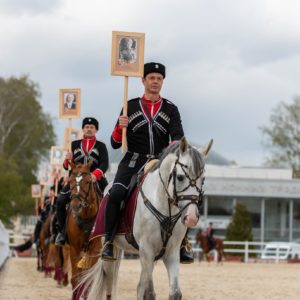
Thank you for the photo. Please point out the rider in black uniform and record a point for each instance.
(83, 151)
(152, 123)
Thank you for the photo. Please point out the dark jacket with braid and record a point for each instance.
(145, 137)
(98, 154)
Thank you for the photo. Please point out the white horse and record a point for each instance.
(168, 203)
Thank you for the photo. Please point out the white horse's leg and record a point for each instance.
(171, 262)
(111, 270)
(145, 289)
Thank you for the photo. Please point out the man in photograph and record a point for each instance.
(70, 101)
(127, 53)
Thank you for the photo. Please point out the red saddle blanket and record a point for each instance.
(127, 216)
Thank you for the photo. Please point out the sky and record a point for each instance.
(228, 63)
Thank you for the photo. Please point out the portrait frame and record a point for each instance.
(70, 135)
(127, 61)
(36, 191)
(57, 154)
(69, 103)
(46, 177)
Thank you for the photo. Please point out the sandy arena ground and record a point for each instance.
(232, 281)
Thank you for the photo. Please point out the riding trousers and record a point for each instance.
(131, 164)
(62, 200)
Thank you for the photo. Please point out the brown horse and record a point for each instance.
(202, 240)
(81, 215)
(44, 244)
(59, 259)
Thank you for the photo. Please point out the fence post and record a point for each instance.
(246, 258)
(277, 255)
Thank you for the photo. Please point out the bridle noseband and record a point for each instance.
(81, 195)
(194, 199)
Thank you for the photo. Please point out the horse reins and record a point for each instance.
(81, 195)
(167, 223)
(192, 183)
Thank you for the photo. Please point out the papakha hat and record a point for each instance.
(154, 67)
(91, 121)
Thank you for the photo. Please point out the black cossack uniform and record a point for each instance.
(98, 154)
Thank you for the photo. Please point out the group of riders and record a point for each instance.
(152, 123)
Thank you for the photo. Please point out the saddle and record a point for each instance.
(125, 225)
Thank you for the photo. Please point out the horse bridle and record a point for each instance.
(81, 195)
(167, 223)
(198, 200)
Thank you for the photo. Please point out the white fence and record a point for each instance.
(246, 251)
(4, 244)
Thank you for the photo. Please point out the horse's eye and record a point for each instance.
(180, 177)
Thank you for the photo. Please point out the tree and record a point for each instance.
(240, 227)
(26, 134)
(282, 136)
(14, 195)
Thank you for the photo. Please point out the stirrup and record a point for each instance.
(60, 240)
(107, 256)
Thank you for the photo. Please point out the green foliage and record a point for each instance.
(282, 136)
(26, 135)
(240, 227)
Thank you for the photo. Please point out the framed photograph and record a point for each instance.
(46, 177)
(70, 136)
(127, 58)
(57, 155)
(36, 191)
(69, 103)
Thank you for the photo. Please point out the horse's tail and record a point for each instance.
(52, 259)
(91, 282)
(99, 281)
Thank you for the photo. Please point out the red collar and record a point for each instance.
(147, 101)
(88, 144)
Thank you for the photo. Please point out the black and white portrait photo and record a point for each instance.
(127, 53)
(127, 50)
(69, 103)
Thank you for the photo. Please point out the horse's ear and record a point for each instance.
(207, 147)
(183, 144)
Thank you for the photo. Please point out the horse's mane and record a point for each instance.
(174, 148)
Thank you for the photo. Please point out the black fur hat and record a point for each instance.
(153, 67)
(90, 120)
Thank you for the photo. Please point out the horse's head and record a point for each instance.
(182, 175)
(81, 183)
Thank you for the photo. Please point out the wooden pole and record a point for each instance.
(69, 137)
(56, 183)
(43, 196)
(124, 130)
(36, 206)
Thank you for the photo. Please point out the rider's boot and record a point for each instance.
(61, 237)
(112, 215)
(108, 248)
(186, 253)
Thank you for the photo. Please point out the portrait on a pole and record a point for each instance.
(57, 155)
(127, 53)
(69, 103)
(36, 191)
